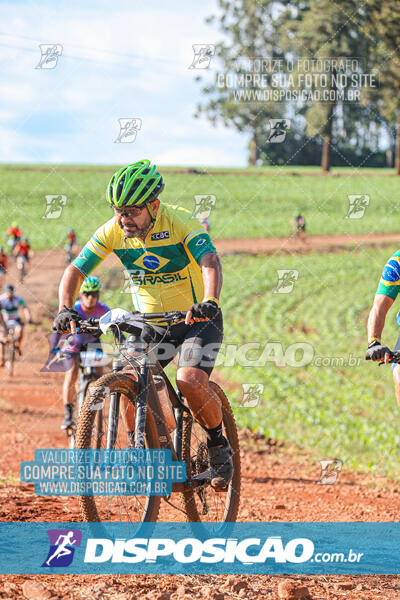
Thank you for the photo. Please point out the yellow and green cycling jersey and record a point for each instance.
(164, 269)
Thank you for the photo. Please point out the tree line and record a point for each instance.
(326, 73)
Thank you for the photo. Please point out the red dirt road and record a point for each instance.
(321, 243)
(278, 485)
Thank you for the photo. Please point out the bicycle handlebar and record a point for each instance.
(394, 358)
(91, 325)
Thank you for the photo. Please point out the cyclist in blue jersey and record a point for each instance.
(387, 292)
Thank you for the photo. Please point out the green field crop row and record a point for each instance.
(339, 405)
(246, 206)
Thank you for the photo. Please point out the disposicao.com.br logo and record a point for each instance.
(275, 548)
(213, 550)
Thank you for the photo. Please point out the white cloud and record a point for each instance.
(127, 62)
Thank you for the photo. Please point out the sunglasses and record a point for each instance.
(135, 212)
(90, 293)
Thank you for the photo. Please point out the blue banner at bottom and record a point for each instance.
(239, 548)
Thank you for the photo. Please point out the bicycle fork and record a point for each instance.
(140, 413)
(141, 409)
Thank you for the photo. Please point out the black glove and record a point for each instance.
(204, 310)
(376, 351)
(61, 322)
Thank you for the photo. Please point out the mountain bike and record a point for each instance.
(89, 363)
(133, 417)
(10, 349)
(298, 233)
(21, 266)
(69, 254)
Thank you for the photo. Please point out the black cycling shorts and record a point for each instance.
(197, 344)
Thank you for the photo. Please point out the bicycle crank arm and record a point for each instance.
(200, 479)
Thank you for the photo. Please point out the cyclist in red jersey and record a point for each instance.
(23, 248)
(70, 246)
(22, 252)
(13, 234)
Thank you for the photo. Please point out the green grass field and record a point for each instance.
(246, 206)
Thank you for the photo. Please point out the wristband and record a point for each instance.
(212, 299)
(374, 339)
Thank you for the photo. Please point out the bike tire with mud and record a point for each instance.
(10, 356)
(198, 462)
(89, 436)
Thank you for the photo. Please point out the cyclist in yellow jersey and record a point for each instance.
(172, 265)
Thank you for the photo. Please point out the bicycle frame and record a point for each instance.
(146, 365)
(147, 399)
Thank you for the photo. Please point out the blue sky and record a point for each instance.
(120, 59)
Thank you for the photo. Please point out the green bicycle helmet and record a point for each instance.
(135, 185)
(91, 284)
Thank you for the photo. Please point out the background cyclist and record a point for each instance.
(174, 266)
(22, 249)
(10, 306)
(13, 235)
(22, 252)
(3, 265)
(71, 244)
(299, 226)
(86, 306)
(206, 223)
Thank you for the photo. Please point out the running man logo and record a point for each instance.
(59, 360)
(128, 129)
(54, 206)
(251, 394)
(133, 279)
(49, 56)
(286, 280)
(62, 542)
(203, 54)
(278, 131)
(330, 470)
(204, 203)
(357, 205)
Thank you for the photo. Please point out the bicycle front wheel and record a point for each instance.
(113, 395)
(10, 355)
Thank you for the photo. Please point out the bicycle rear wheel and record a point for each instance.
(10, 355)
(114, 393)
(205, 504)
